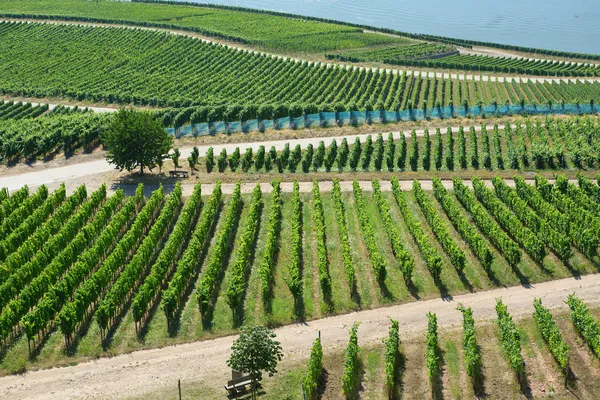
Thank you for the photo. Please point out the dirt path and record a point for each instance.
(148, 370)
(52, 106)
(43, 173)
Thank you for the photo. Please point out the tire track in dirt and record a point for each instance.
(148, 370)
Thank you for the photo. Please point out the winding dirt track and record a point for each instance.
(144, 371)
(44, 174)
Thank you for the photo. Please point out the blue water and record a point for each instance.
(569, 25)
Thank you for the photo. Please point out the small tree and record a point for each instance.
(255, 351)
(136, 139)
(192, 164)
(175, 157)
(209, 160)
(195, 154)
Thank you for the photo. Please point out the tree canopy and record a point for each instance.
(136, 139)
(256, 350)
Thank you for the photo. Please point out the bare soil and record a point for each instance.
(150, 370)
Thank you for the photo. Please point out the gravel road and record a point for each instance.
(44, 174)
(143, 371)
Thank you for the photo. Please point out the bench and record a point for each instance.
(178, 174)
(237, 385)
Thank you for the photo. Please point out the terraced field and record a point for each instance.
(163, 270)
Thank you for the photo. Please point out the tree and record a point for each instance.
(255, 351)
(175, 157)
(192, 164)
(136, 139)
(209, 160)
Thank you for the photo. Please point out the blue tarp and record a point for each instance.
(377, 116)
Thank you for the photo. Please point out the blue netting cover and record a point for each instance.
(283, 123)
(251, 126)
(313, 120)
(297, 123)
(390, 116)
(328, 118)
(377, 116)
(374, 116)
(345, 117)
(267, 124)
(235, 127)
(359, 117)
(217, 127)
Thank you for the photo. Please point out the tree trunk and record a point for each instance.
(142, 169)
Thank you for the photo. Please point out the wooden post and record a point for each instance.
(179, 387)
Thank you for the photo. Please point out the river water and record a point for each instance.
(569, 25)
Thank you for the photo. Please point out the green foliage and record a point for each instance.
(175, 157)
(240, 269)
(510, 340)
(551, 334)
(212, 271)
(432, 258)
(390, 152)
(132, 274)
(135, 139)
(414, 151)
(342, 157)
(392, 358)
(462, 225)
(259, 158)
(319, 156)
(246, 162)
(449, 150)
(354, 156)
(439, 150)
(57, 295)
(586, 325)
(543, 228)
(164, 265)
(351, 375)
(42, 136)
(255, 351)
(391, 54)
(234, 159)
(314, 370)
(294, 281)
(366, 229)
(340, 213)
(473, 149)
(267, 267)
(470, 346)
(402, 153)
(378, 153)
(209, 160)
(432, 358)
(462, 148)
(187, 266)
(222, 161)
(406, 260)
(71, 237)
(322, 262)
(331, 155)
(426, 150)
(511, 224)
(457, 256)
(486, 224)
